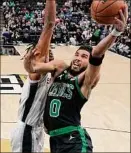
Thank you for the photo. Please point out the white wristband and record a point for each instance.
(116, 33)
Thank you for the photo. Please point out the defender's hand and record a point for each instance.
(120, 23)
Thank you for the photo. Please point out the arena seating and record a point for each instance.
(74, 26)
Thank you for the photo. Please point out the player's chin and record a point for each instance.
(75, 69)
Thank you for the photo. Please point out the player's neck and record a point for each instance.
(72, 73)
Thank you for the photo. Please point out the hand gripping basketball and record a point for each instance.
(105, 11)
(120, 23)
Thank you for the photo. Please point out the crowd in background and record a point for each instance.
(74, 25)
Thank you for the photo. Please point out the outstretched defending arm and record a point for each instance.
(37, 67)
(42, 47)
(97, 55)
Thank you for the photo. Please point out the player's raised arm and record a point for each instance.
(38, 67)
(97, 55)
(42, 47)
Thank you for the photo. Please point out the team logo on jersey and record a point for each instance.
(65, 71)
(12, 83)
(60, 76)
(72, 79)
(64, 90)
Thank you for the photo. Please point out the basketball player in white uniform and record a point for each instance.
(28, 135)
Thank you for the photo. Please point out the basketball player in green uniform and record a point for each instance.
(70, 91)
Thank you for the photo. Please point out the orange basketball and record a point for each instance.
(104, 11)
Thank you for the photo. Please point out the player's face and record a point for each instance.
(80, 61)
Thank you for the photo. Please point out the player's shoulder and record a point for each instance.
(44, 76)
(45, 79)
(31, 81)
(36, 80)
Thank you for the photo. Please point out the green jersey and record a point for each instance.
(64, 103)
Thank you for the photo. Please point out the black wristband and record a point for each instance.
(96, 61)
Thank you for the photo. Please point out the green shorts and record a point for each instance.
(71, 139)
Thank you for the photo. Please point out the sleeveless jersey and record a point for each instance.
(64, 103)
(32, 101)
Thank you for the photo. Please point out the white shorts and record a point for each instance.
(25, 138)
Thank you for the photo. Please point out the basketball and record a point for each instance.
(104, 11)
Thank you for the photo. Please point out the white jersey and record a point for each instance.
(28, 136)
(32, 101)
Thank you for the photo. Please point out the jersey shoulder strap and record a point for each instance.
(78, 87)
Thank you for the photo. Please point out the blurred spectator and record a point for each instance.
(24, 22)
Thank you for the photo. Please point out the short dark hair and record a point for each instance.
(86, 47)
